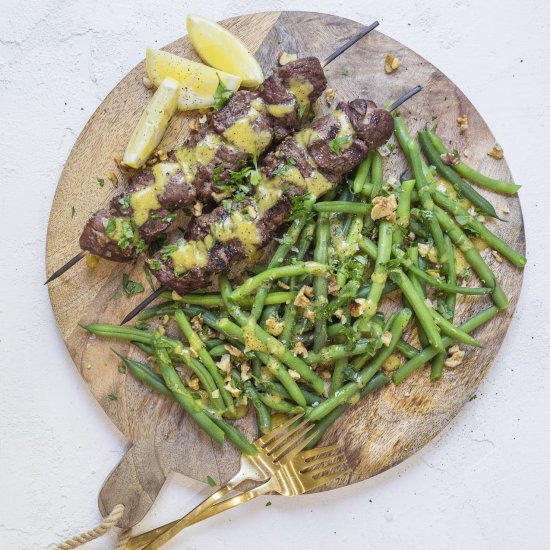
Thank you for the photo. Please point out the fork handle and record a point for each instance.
(139, 541)
(192, 517)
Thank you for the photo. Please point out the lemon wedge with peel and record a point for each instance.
(153, 123)
(198, 82)
(221, 49)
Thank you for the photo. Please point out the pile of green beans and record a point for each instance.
(308, 333)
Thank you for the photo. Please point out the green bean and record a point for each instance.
(362, 174)
(451, 277)
(418, 305)
(234, 435)
(465, 189)
(338, 375)
(269, 312)
(294, 270)
(404, 347)
(417, 228)
(338, 351)
(467, 172)
(275, 403)
(363, 377)
(288, 241)
(403, 212)
(343, 207)
(146, 348)
(427, 203)
(377, 174)
(420, 288)
(320, 284)
(181, 393)
(437, 366)
(379, 275)
(289, 321)
(218, 351)
(465, 219)
(368, 247)
(215, 300)
(322, 426)
(428, 353)
(452, 331)
(198, 346)
(279, 389)
(253, 333)
(473, 257)
(263, 417)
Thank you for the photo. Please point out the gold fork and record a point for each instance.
(299, 473)
(271, 447)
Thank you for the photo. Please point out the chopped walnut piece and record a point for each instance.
(300, 349)
(162, 155)
(235, 392)
(215, 394)
(175, 296)
(333, 286)
(329, 95)
(193, 382)
(197, 209)
(245, 371)
(357, 307)
(196, 323)
(302, 298)
(285, 58)
(195, 125)
(147, 82)
(506, 209)
(455, 358)
(386, 338)
(383, 207)
(282, 285)
(496, 152)
(391, 64)
(293, 374)
(224, 364)
(463, 123)
(411, 236)
(274, 326)
(496, 256)
(310, 315)
(339, 314)
(423, 249)
(232, 350)
(165, 319)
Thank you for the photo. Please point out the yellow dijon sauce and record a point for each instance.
(145, 200)
(237, 226)
(241, 134)
(191, 254)
(203, 153)
(280, 110)
(116, 235)
(346, 128)
(301, 90)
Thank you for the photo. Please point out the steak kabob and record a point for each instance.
(250, 123)
(304, 164)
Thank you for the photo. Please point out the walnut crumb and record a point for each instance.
(300, 349)
(147, 82)
(496, 256)
(195, 125)
(235, 392)
(165, 319)
(193, 382)
(455, 358)
(310, 315)
(383, 207)
(175, 296)
(293, 374)
(505, 209)
(411, 236)
(245, 371)
(463, 123)
(285, 58)
(339, 314)
(196, 323)
(386, 338)
(357, 307)
(282, 285)
(496, 152)
(162, 155)
(391, 64)
(329, 96)
(274, 326)
(232, 350)
(302, 298)
(215, 394)
(197, 209)
(224, 364)
(333, 286)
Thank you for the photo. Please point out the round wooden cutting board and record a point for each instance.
(384, 428)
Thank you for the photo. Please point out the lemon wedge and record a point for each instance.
(198, 82)
(223, 50)
(153, 123)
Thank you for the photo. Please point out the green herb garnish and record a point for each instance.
(112, 397)
(124, 203)
(122, 369)
(73, 211)
(148, 277)
(301, 110)
(155, 265)
(131, 287)
(222, 94)
(211, 481)
(101, 182)
(118, 294)
(336, 144)
(167, 250)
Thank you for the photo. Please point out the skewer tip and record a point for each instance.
(66, 267)
(153, 296)
(406, 96)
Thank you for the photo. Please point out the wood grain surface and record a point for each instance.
(384, 428)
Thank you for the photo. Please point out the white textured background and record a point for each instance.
(483, 484)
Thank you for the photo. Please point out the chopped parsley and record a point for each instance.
(268, 503)
(112, 397)
(301, 110)
(211, 481)
(73, 212)
(110, 228)
(282, 169)
(167, 250)
(148, 277)
(299, 209)
(124, 203)
(336, 144)
(118, 294)
(122, 368)
(345, 72)
(155, 265)
(101, 182)
(222, 94)
(131, 287)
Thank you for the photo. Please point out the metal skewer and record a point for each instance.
(340, 50)
(397, 103)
